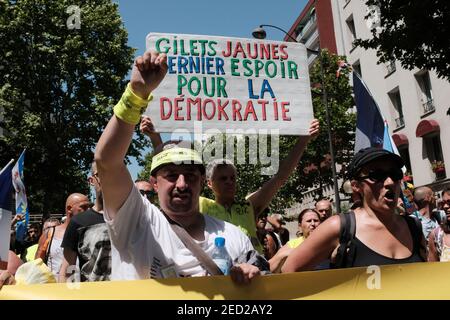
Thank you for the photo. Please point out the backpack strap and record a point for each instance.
(415, 226)
(44, 251)
(49, 246)
(346, 249)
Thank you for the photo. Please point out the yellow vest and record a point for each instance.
(240, 214)
(294, 243)
(31, 252)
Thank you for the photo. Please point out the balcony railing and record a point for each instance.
(399, 122)
(390, 67)
(428, 106)
(307, 28)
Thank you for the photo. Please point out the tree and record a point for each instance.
(314, 170)
(413, 32)
(315, 166)
(63, 68)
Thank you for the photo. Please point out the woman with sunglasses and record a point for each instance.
(381, 236)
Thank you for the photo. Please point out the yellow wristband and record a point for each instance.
(131, 107)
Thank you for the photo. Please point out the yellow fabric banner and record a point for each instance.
(409, 281)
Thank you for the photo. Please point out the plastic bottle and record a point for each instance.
(220, 255)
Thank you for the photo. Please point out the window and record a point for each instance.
(426, 94)
(357, 68)
(396, 101)
(390, 67)
(352, 31)
(404, 153)
(434, 151)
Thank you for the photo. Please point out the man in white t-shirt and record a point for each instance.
(143, 243)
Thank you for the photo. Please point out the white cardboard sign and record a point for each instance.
(231, 84)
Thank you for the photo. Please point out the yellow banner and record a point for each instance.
(409, 281)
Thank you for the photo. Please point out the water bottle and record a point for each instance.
(220, 255)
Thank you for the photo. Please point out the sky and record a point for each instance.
(231, 18)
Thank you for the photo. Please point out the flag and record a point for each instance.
(389, 145)
(21, 197)
(369, 121)
(6, 188)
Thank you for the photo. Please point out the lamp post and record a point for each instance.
(260, 33)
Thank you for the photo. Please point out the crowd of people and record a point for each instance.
(162, 227)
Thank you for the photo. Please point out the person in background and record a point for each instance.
(324, 208)
(146, 190)
(32, 251)
(426, 203)
(439, 240)
(276, 222)
(308, 221)
(87, 240)
(50, 250)
(271, 244)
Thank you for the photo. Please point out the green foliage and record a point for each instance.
(316, 161)
(57, 90)
(416, 33)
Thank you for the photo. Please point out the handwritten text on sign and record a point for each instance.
(231, 83)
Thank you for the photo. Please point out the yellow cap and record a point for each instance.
(176, 155)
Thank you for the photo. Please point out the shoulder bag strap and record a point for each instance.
(347, 233)
(198, 252)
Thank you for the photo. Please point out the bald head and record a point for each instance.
(423, 196)
(324, 208)
(144, 185)
(76, 203)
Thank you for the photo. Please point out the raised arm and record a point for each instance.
(147, 128)
(316, 248)
(147, 74)
(261, 198)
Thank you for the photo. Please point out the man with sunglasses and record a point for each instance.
(146, 190)
(381, 236)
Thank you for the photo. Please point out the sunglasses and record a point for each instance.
(381, 176)
(146, 193)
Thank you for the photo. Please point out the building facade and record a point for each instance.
(414, 102)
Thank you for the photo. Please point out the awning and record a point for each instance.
(426, 127)
(400, 139)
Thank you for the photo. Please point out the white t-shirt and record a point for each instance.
(143, 245)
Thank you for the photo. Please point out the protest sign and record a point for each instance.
(231, 84)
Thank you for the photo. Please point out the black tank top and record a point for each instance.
(364, 256)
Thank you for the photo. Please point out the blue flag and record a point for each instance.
(6, 188)
(21, 197)
(369, 122)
